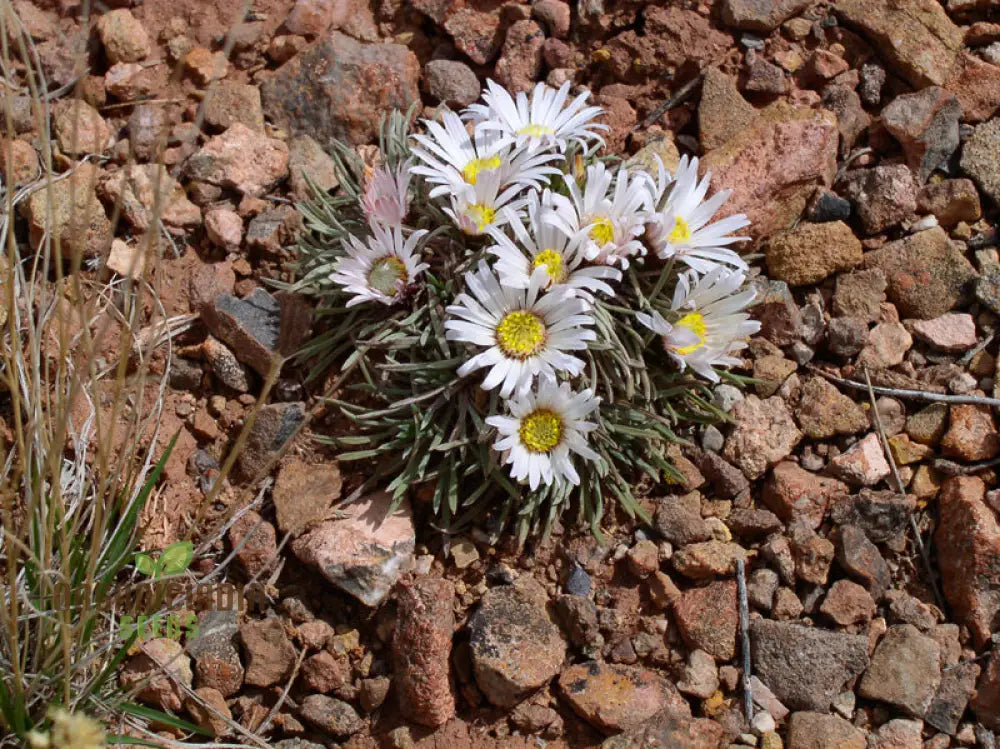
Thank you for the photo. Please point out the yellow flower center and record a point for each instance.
(520, 334)
(481, 215)
(386, 273)
(553, 263)
(603, 231)
(694, 322)
(536, 131)
(681, 233)
(541, 431)
(471, 170)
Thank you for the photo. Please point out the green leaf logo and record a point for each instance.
(176, 558)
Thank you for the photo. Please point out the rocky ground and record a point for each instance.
(861, 137)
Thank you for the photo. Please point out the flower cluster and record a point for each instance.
(538, 238)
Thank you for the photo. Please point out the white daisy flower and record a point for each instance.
(525, 333)
(548, 247)
(681, 227)
(386, 196)
(485, 206)
(543, 429)
(381, 268)
(710, 324)
(546, 120)
(613, 209)
(452, 159)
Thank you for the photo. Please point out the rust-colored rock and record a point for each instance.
(707, 618)
(421, 651)
(795, 494)
(968, 544)
(972, 433)
(810, 253)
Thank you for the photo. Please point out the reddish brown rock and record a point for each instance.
(848, 603)
(972, 434)
(162, 668)
(477, 29)
(887, 344)
(811, 252)
(926, 274)
(820, 731)
(421, 651)
(520, 62)
(861, 559)
(145, 192)
(123, 36)
(80, 129)
(240, 159)
(722, 111)
(905, 670)
(986, 702)
(314, 17)
(304, 493)
(795, 494)
(707, 618)
(256, 540)
(774, 165)
(968, 544)
(325, 672)
(210, 711)
(205, 66)
(915, 36)
(617, 698)
(270, 657)
(760, 15)
(976, 84)
(950, 201)
(675, 731)
(926, 124)
(883, 196)
(340, 88)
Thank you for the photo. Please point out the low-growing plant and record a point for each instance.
(527, 323)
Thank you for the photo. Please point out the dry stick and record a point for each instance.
(978, 400)
(672, 102)
(284, 694)
(741, 589)
(899, 488)
(951, 468)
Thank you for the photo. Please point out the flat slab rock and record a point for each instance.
(364, 552)
(805, 667)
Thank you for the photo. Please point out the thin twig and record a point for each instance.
(741, 589)
(979, 400)
(924, 554)
(670, 103)
(952, 468)
(284, 694)
(968, 355)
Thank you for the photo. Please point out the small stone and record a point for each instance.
(578, 582)
(763, 77)
(824, 411)
(764, 434)
(861, 559)
(905, 451)
(813, 555)
(811, 252)
(22, 161)
(972, 434)
(848, 603)
(249, 326)
(325, 672)
(205, 66)
(754, 15)
(162, 668)
(145, 193)
(954, 332)
(270, 657)
(979, 158)
(864, 464)
(224, 228)
(643, 559)
(708, 559)
(722, 112)
(787, 605)
(616, 698)
(781, 321)
(926, 125)
(229, 102)
(257, 543)
(314, 17)
(707, 618)
(888, 343)
(454, 83)
(986, 702)
(210, 711)
(126, 261)
(929, 424)
(578, 615)
(70, 214)
(805, 667)
(241, 159)
(363, 551)
(516, 648)
(796, 495)
(905, 670)
(882, 515)
(307, 161)
(883, 196)
(555, 14)
(123, 36)
(807, 730)
(421, 651)
(860, 294)
(872, 81)
(678, 519)
(846, 336)
(727, 481)
(330, 715)
(761, 588)
(700, 679)
(826, 205)
(957, 686)
(225, 366)
(753, 523)
(926, 274)
(374, 692)
(304, 493)
(950, 201)
(80, 129)
(216, 660)
(968, 544)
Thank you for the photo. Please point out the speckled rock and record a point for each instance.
(795, 494)
(241, 159)
(811, 252)
(707, 618)
(516, 648)
(972, 434)
(162, 666)
(809, 730)
(824, 411)
(451, 82)
(760, 15)
(764, 434)
(926, 125)
(905, 670)
(979, 158)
